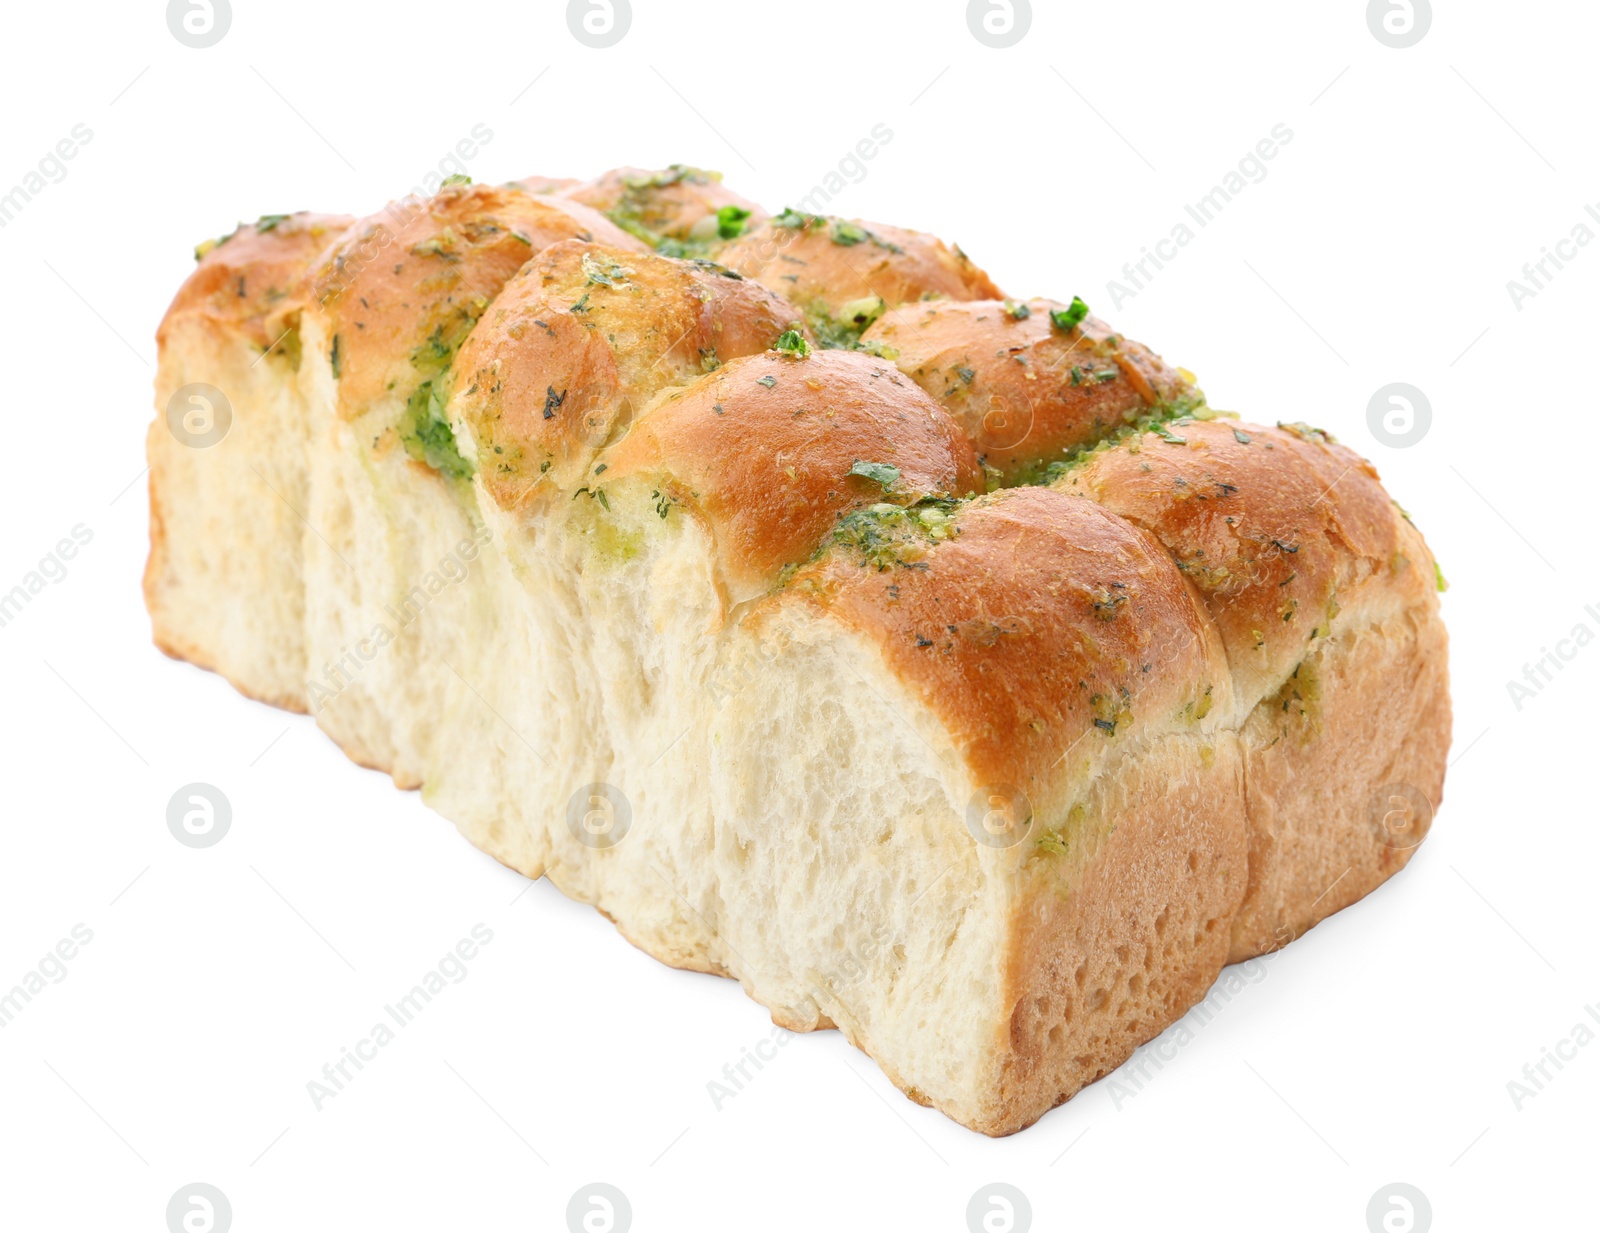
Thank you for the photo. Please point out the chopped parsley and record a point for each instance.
(769, 381)
(880, 473)
(606, 272)
(1070, 317)
(793, 343)
(1017, 310)
(205, 247)
(426, 435)
(458, 178)
(730, 221)
(847, 233)
(884, 536)
(794, 220)
(269, 221)
(1307, 433)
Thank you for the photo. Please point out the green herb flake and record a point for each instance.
(885, 536)
(880, 473)
(458, 178)
(605, 272)
(1017, 310)
(1242, 437)
(769, 381)
(426, 434)
(730, 221)
(847, 233)
(793, 343)
(794, 220)
(336, 358)
(268, 222)
(1307, 433)
(205, 247)
(1070, 317)
(1053, 843)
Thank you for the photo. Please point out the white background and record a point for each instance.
(1378, 248)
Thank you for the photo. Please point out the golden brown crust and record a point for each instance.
(256, 280)
(1024, 390)
(1272, 526)
(763, 449)
(1044, 634)
(1343, 775)
(676, 203)
(404, 287)
(1325, 597)
(825, 270)
(580, 341)
(1122, 937)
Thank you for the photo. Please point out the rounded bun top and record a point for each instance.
(771, 449)
(256, 279)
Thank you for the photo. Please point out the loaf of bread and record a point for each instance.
(937, 664)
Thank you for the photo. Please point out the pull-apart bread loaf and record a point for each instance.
(937, 664)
